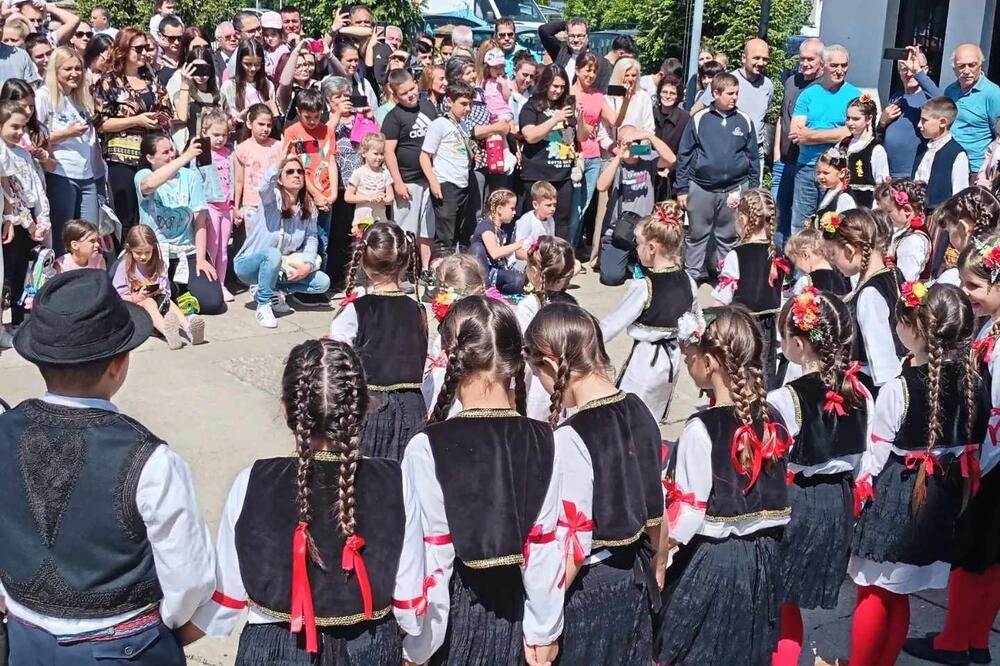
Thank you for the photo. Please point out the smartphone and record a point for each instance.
(895, 54)
(637, 149)
(151, 288)
(316, 46)
(202, 69)
(571, 101)
(205, 159)
(307, 147)
(617, 91)
(359, 101)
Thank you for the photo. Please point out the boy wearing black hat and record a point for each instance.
(104, 552)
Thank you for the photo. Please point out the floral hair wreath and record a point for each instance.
(914, 293)
(805, 313)
(829, 223)
(359, 229)
(734, 199)
(835, 153)
(865, 98)
(691, 327)
(991, 258)
(900, 197)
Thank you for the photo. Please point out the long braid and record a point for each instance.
(935, 356)
(352, 270)
(521, 390)
(741, 394)
(304, 424)
(827, 350)
(758, 391)
(411, 240)
(349, 427)
(452, 378)
(562, 378)
(866, 257)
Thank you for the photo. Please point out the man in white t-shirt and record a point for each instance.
(536, 222)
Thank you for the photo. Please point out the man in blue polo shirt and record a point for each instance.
(978, 101)
(818, 124)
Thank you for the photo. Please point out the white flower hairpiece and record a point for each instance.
(690, 327)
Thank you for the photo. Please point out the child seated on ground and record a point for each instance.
(492, 245)
(141, 278)
(80, 238)
(535, 223)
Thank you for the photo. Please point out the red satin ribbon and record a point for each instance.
(863, 491)
(789, 477)
(876, 439)
(778, 265)
(984, 347)
(351, 560)
(537, 535)
(302, 612)
(675, 494)
(993, 428)
(350, 298)
(726, 281)
(917, 222)
(438, 539)
(439, 361)
(851, 375)
(929, 462)
(228, 602)
(576, 521)
(970, 466)
(772, 447)
(664, 452)
(834, 403)
(419, 604)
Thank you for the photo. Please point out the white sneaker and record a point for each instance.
(172, 331)
(196, 329)
(227, 296)
(6, 337)
(278, 303)
(265, 317)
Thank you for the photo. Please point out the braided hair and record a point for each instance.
(480, 335)
(975, 206)
(866, 105)
(572, 337)
(757, 207)
(325, 395)
(552, 259)
(664, 227)
(945, 322)
(385, 250)
(859, 230)
(497, 200)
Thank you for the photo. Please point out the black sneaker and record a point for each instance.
(980, 655)
(310, 300)
(923, 648)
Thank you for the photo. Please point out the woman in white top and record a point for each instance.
(249, 85)
(634, 107)
(64, 106)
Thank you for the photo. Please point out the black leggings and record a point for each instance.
(207, 291)
(121, 182)
(17, 254)
(564, 204)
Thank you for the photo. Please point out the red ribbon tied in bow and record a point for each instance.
(419, 604)
(576, 521)
(851, 375)
(536, 534)
(780, 266)
(727, 281)
(863, 491)
(984, 348)
(350, 298)
(302, 612)
(351, 560)
(970, 466)
(924, 459)
(663, 216)
(772, 447)
(834, 403)
(917, 223)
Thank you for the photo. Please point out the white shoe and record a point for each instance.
(265, 317)
(6, 337)
(278, 303)
(172, 331)
(227, 296)
(196, 329)
(253, 292)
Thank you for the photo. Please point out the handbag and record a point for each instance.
(623, 232)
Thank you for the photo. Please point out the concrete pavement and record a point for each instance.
(217, 405)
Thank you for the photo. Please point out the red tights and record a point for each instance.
(973, 602)
(878, 630)
(790, 644)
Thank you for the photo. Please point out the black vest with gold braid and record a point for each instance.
(668, 297)
(823, 435)
(913, 430)
(391, 340)
(862, 176)
(624, 444)
(494, 467)
(754, 291)
(267, 524)
(886, 282)
(767, 498)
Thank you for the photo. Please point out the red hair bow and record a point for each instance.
(924, 459)
(350, 298)
(779, 266)
(302, 612)
(917, 222)
(984, 348)
(834, 403)
(351, 560)
(851, 375)
(772, 448)
(863, 491)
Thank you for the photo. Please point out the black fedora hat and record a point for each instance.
(78, 317)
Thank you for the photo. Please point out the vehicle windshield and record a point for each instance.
(521, 11)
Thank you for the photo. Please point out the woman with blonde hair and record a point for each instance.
(15, 31)
(66, 109)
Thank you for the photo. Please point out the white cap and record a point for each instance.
(270, 20)
(495, 57)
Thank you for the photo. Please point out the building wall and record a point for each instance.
(968, 21)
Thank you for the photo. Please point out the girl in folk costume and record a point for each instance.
(389, 332)
(612, 498)
(551, 266)
(972, 213)
(974, 583)
(856, 246)
(867, 162)
(754, 273)
(913, 470)
(354, 576)
(827, 411)
(727, 504)
(910, 247)
(807, 252)
(487, 480)
(651, 307)
(833, 179)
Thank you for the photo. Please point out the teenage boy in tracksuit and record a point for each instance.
(718, 158)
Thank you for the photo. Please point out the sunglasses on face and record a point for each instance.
(139, 48)
(292, 172)
(172, 40)
(80, 34)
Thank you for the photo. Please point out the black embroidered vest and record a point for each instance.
(494, 467)
(266, 526)
(391, 340)
(823, 435)
(624, 444)
(831, 280)
(886, 283)
(862, 176)
(753, 289)
(914, 427)
(668, 296)
(768, 498)
(74, 543)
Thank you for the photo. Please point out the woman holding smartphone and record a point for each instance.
(295, 72)
(193, 89)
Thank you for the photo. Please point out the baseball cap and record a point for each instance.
(495, 57)
(270, 20)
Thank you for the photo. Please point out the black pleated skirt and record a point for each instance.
(364, 644)
(816, 545)
(393, 418)
(977, 534)
(722, 601)
(607, 618)
(889, 531)
(484, 622)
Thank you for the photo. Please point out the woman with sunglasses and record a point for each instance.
(128, 104)
(280, 251)
(193, 89)
(295, 72)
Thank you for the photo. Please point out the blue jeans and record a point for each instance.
(262, 270)
(70, 198)
(323, 220)
(582, 196)
(805, 197)
(783, 191)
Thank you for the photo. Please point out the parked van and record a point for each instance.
(524, 12)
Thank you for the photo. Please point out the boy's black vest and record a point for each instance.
(823, 435)
(886, 283)
(754, 290)
(624, 444)
(768, 498)
(73, 541)
(939, 187)
(494, 467)
(668, 297)
(391, 340)
(913, 430)
(267, 523)
(862, 176)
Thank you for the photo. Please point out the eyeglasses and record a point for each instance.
(80, 34)
(139, 48)
(292, 172)
(505, 34)
(172, 39)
